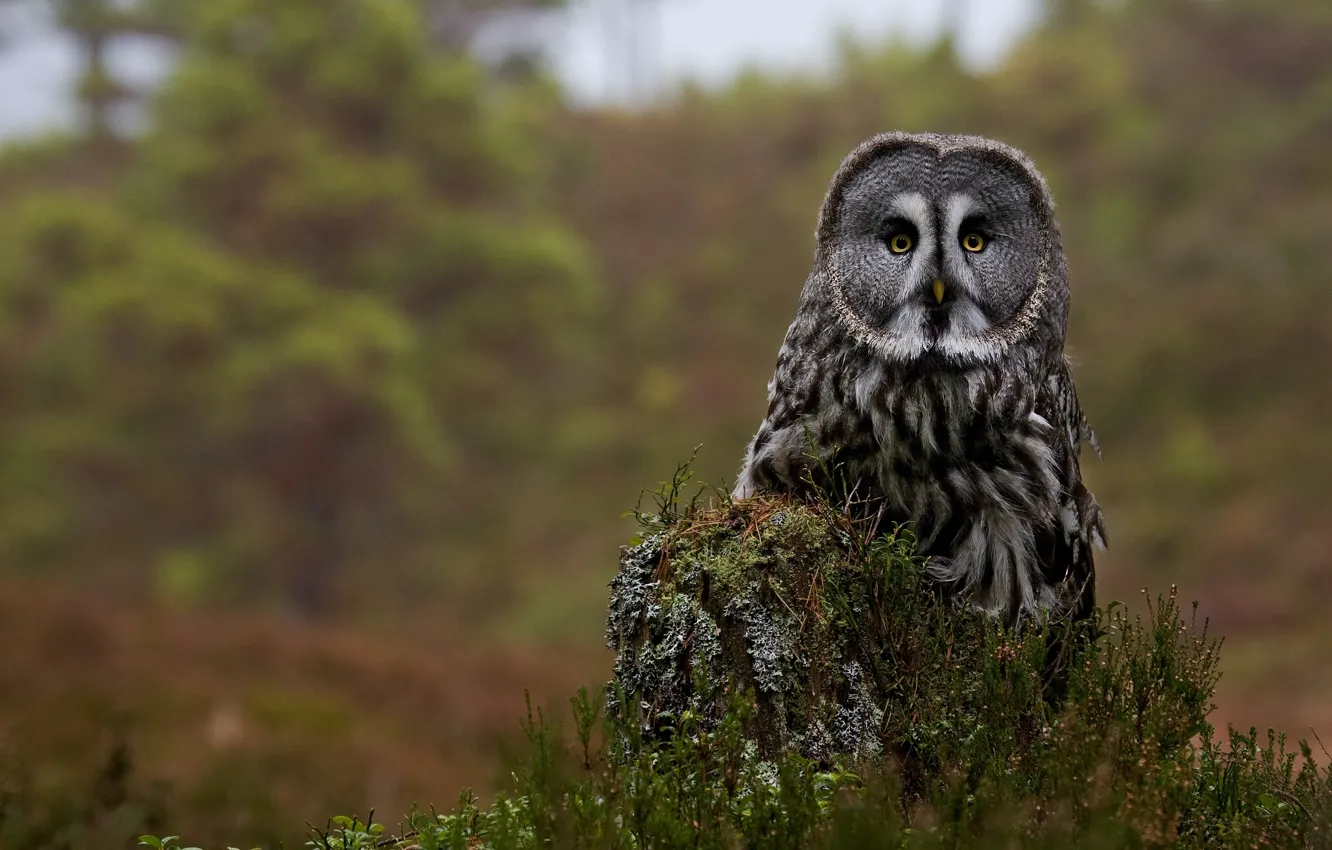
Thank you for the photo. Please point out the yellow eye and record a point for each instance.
(973, 242)
(899, 244)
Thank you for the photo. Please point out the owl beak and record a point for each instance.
(938, 290)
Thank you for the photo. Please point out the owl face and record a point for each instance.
(935, 247)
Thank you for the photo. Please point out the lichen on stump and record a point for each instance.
(826, 624)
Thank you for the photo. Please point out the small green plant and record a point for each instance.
(345, 833)
(168, 843)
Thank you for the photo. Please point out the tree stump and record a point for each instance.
(829, 627)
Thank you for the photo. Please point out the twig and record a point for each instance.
(1320, 744)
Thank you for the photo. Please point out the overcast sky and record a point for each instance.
(704, 40)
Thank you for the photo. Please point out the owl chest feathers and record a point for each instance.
(945, 444)
(965, 457)
(968, 460)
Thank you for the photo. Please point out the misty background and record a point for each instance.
(338, 337)
(601, 51)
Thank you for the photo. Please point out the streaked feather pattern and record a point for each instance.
(970, 430)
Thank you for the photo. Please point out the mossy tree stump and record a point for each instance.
(826, 624)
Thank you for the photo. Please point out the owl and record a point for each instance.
(925, 371)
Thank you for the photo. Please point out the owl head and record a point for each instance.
(942, 249)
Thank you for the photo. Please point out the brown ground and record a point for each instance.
(252, 720)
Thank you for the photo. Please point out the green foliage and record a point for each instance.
(964, 748)
(147, 335)
(1128, 761)
(167, 842)
(327, 248)
(1082, 783)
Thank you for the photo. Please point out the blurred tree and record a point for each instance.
(329, 246)
(96, 26)
(186, 409)
(336, 144)
(455, 23)
(93, 23)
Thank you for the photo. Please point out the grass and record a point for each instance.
(787, 678)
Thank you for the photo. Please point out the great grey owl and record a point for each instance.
(926, 366)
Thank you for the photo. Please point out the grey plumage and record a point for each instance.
(926, 365)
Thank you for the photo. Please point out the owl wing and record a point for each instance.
(803, 385)
(1065, 551)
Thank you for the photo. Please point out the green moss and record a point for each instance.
(830, 625)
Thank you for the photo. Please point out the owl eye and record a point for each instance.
(973, 242)
(899, 244)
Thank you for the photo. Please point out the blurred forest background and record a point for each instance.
(325, 388)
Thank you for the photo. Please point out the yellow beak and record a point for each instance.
(938, 290)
